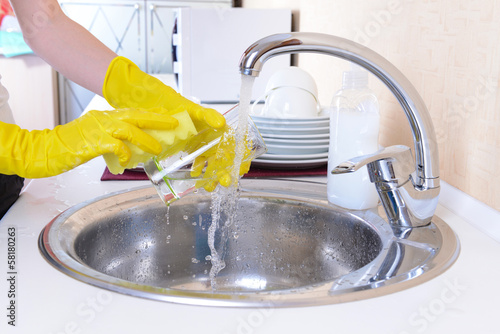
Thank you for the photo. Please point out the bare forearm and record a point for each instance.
(63, 43)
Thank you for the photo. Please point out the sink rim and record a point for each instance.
(314, 294)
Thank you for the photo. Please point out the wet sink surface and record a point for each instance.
(286, 247)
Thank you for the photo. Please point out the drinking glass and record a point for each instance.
(172, 176)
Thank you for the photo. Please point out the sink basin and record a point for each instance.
(287, 247)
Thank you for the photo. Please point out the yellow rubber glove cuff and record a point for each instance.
(43, 153)
(126, 86)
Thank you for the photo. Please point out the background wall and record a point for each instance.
(450, 51)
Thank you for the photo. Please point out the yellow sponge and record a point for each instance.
(172, 141)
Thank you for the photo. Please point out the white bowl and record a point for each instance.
(290, 102)
(292, 77)
(290, 93)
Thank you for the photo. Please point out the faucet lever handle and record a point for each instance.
(391, 164)
(392, 170)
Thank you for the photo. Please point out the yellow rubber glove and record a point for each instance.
(219, 162)
(126, 86)
(172, 141)
(43, 153)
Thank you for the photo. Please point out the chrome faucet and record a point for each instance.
(408, 189)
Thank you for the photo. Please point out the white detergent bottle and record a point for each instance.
(354, 129)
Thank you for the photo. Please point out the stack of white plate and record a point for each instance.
(293, 143)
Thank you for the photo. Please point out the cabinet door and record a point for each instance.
(32, 86)
(160, 17)
(120, 26)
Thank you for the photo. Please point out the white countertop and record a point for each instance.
(462, 300)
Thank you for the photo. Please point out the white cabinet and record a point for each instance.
(160, 18)
(138, 30)
(32, 86)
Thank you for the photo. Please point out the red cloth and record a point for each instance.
(138, 174)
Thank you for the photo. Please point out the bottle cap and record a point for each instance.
(356, 77)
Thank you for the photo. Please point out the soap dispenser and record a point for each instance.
(354, 129)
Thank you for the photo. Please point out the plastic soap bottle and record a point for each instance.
(354, 129)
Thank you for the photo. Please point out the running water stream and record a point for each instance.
(225, 200)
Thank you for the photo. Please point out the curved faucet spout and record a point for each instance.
(425, 178)
(426, 152)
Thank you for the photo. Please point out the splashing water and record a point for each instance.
(224, 200)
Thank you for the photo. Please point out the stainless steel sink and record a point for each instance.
(287, 247)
